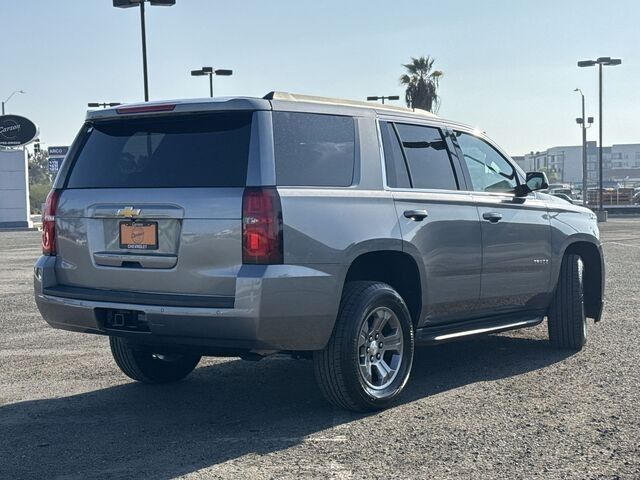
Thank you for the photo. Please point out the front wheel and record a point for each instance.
(368, 359)
(151, 367)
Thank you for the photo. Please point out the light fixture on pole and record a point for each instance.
(221, 72)
(140, 3)
(375, 98)
(103, 105)
(9, 98)
(601, 61)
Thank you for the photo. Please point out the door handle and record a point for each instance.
(417, 215)
(493, 217)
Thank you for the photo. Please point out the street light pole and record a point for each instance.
(133, 3)
(601, 61)
(144, 53)
(585, 187)
(9, 98)
(583, 124)
(600, 186)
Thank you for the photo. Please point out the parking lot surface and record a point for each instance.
(503, 406)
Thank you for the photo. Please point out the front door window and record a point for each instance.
(489, 171)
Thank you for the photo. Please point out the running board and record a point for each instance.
(461, 330)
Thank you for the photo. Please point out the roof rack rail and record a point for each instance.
(295, 97)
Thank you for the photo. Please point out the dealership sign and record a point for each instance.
(16, 131)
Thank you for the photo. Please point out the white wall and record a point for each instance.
(14, 189)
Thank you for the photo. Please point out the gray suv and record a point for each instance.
(339, 231)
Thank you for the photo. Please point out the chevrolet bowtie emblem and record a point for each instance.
(128, 212)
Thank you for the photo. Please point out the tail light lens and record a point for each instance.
(261, 226)
(49, 223)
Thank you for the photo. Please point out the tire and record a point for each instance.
(344, 371)
(149, 367)
(567, 323)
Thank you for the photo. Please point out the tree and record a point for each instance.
(422, 84)
(40, 179)
(39, 168)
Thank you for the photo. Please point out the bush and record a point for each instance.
(37, 195)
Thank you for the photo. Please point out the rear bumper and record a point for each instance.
(276, 307)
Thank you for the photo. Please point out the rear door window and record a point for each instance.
(203, 150)
(427, 157)
(314, 150)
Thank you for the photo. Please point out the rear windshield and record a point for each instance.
(204, 150)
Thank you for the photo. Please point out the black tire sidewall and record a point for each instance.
(567, 324)
(580, 278)
(140, 364)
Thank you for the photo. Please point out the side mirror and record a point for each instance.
(535, 181)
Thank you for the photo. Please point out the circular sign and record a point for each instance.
(16, 131)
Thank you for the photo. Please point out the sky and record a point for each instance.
(509, 65)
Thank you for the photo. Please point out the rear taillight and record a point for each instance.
(49, 223)
(261, 226)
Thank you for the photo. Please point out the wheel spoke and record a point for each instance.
(393, 342)
(384, 371)
(381, 317)
(362, 338)
(365, 370)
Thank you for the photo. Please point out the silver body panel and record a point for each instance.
(448, 242)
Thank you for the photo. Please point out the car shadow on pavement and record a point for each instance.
(221, 412)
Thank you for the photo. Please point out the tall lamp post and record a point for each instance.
(9, 98)
(221, 72)
(582, 121)
(133, 3)
(601, 61)
(375, 98)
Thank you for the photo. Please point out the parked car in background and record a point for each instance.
(340, 231)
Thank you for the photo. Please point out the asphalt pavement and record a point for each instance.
(504, 406)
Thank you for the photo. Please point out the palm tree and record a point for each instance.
(422, 84)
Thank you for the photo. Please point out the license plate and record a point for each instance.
(139, 235)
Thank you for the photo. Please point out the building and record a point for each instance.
(625, 156)
(564, 164)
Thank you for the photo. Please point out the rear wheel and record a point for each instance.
(567, 323)
(367, 361)
(151, 367)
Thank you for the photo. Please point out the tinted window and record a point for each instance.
(313, 150)
(397, 175)
(428, 158)
(489, 170)
(173, 151)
